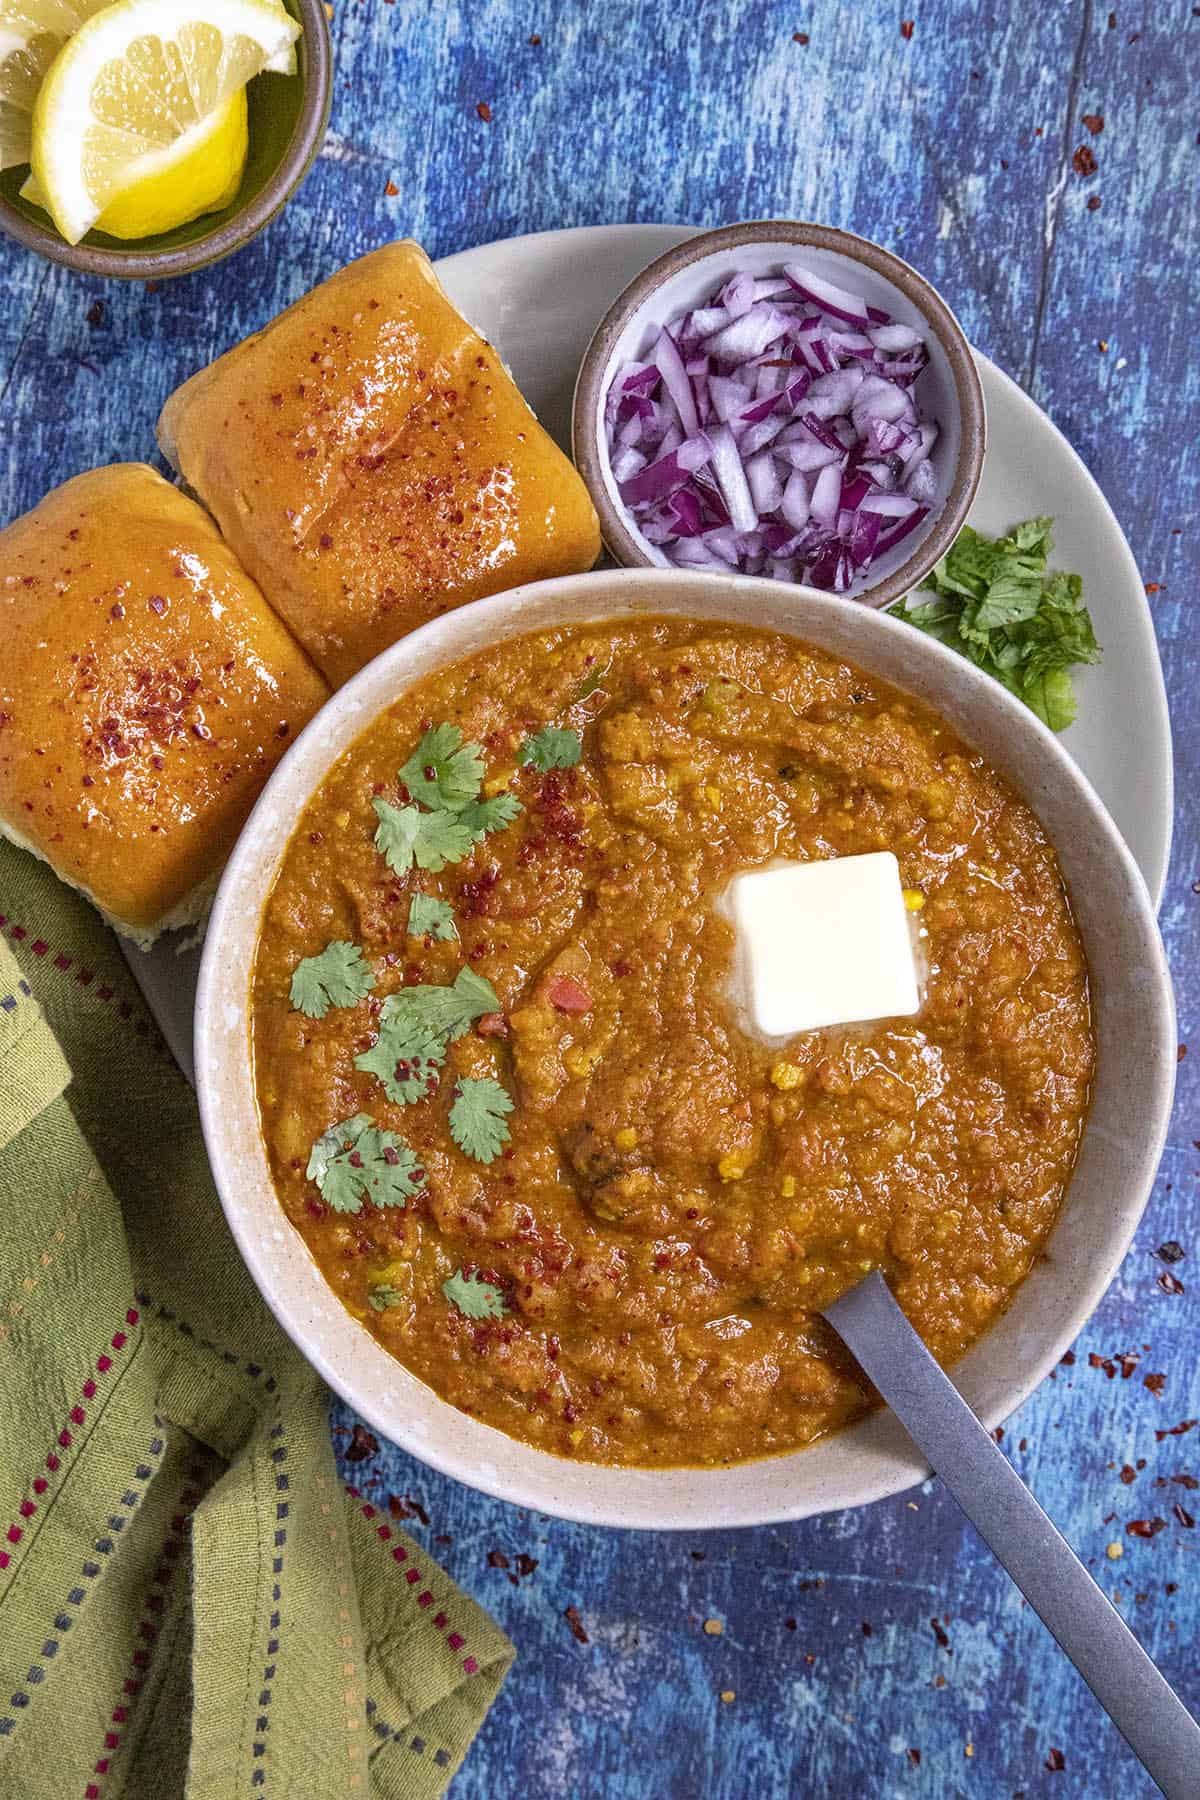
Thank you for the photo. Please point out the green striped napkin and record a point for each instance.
(190, 1603)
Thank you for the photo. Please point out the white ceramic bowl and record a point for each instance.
(1134, 1017)
(949, 390)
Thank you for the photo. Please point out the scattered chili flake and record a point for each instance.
(1184, 1516)
(391, 190)
(1172, 1251)
(866, 1629)
(1170, 1284)
(914, 1757)
(1155, 1383)
(484, 111)
(534, 39)
(1067, 1358)
(571, 1615)
(938, 1632)
(496, 1559)
(1102, 346)
(526, 1564)
(1145, 1528)
(1055, 1760)
(95, 313)
(1128, 1473)
(1084, 160)
(1094, 123)
(799, 37)
(362, 1446)
(1154, 587)
(906, 31)
(1093, 204)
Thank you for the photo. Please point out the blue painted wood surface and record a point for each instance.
(876, 1652)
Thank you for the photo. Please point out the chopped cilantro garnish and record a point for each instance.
(482, 816)
(357, 1161)
(406, 835)
(443, 771)
(416, 1024)
(997, 605)
(552, 748)
(430, 917)
(474, 1297)
(446, 817)
(477, 1118)
(384, 1296)
(339, 976)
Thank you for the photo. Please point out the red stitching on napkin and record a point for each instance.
(153, 1607)
(412, 1575)
(64, 962)
(53, 1462)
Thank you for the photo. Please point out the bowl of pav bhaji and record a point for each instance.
(504, 1157)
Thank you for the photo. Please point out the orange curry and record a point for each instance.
(508, 1107)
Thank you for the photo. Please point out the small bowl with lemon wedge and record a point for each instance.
(150, 138)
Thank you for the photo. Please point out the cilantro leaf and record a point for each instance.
(405, 836)
(998, 606)
(481, 816)
(405, 1057)
(339, 976)
(430, 917)
(416, 1024)
(383, 1296)
(552, 748)
(357, 1161)
(477, 1118)
(443, 771)
(474, 1297)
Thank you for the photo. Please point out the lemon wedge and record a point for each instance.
(200, 172)
(128, 96)
(32, 32)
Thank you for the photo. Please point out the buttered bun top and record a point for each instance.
(146, 692)
(372, 463)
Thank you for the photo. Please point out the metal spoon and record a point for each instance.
(1146, 1711)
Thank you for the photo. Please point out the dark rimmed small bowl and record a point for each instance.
(686, 275)
(288, 115)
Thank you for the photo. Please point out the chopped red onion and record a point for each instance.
(776, 432)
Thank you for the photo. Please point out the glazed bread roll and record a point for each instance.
(146, 692)
(372, 463)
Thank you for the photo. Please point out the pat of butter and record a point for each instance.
(821, 943)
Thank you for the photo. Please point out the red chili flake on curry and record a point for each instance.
(628, 1266)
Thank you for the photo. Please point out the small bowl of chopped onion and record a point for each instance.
(782, 400)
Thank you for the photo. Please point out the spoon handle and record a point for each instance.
(1147, 1712)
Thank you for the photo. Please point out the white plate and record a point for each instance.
(539, 298)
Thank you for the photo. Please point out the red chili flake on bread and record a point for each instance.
(799, 37)
(1155, 1383)
(496, 1559)
(940, 1634)
(1145, 1528)
(391, 190)
(1170, 1284)
(906, 29)
(1128, 1473)
(484, 111)
(1094, 123)
(1093, 204)
(1184, 1516)
(571, 1615)
(1055, 1761)
(1084, 160)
